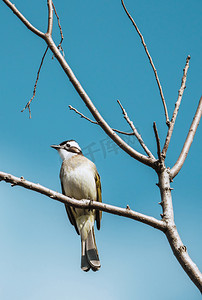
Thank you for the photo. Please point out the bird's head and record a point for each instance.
(67, 149)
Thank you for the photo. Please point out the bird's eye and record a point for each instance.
(68, 145)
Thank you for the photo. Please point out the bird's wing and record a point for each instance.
(99, 199)
(69, 212)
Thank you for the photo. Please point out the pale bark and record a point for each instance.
(124, 212)
(179, 249)
(177, 106)
(183, 155)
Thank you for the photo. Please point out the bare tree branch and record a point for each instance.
(50, 17)
(138, 136)
(157, 142)
(96, 123)
(124, 212)
(23, 19)
(151, 62)
(179, 249)
(177, 106)
(178, 165)
(35, 86)
(109, 131)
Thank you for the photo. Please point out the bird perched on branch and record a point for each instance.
(80, 180)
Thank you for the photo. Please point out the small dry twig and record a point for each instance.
(35, 86)
(136, 133)
(82, 116)
(61, 33)
(177, 106)
(97, 123)
(151, 62)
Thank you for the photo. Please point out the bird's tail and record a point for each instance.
(89, 253)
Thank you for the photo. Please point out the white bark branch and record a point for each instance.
(50, 17)
(151, 62)
(179, 249)
(23, 19)
(124, 212)
(177, 106)
(178, 165)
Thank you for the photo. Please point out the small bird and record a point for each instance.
(80, 180)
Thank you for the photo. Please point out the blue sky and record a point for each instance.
(40, 251)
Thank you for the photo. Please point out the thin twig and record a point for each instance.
(151, 62)
(157, 141)
(82, 116)
(178, 165)
(136, 133)
(161, 225)
(35, 86)
(96, 123)
(177, 106)
(61, 33)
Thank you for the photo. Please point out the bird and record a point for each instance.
(80, 180)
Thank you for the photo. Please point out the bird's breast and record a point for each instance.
(79, 182)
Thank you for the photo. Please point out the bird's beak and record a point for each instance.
(56, 147)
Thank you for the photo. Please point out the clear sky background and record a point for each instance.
(40, 250)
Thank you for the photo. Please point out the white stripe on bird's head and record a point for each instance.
(67, 149)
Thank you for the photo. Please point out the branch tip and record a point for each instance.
(151, 62)
(35, 85)
(189, 139)
(177, 106)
